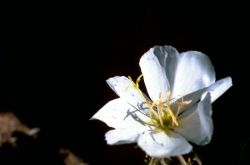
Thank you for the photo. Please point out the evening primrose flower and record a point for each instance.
(181, 89)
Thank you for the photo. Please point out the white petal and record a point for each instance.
(194, 71)
(197, 127)
(154, 75)
(220, 87)
(124, 135)
(161, 145)
(215, 90)
(168, 58)
(124, 88)
(117, 114)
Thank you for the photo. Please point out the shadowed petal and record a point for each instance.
(215, 90)
(154, 75)
(197, 127)
(220, 87)
(168, 57)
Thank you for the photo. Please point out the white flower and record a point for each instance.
(182, 88)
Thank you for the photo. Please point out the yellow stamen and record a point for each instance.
(159, 106)
(136, 87)
(138, 81)
(186, 102)
(174, 119)
(161, 115)
(168, 97)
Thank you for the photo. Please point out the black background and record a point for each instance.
(55, 58)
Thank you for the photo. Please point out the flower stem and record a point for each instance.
(182, 160)
(157, 161)
(153, 161)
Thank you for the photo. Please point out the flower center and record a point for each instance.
(162, 114)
